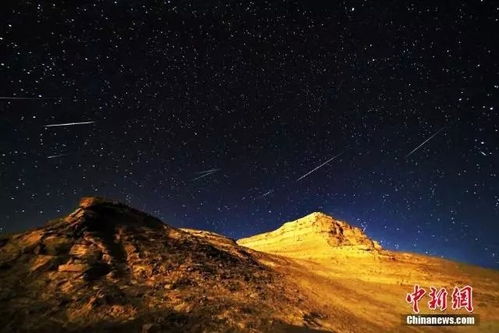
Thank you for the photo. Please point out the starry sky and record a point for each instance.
(238, 116)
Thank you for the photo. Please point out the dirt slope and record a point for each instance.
(360, 286)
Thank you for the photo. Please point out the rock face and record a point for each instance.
(110, 267)
(315, 235)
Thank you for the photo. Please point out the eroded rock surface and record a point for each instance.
(315, 235)
(107, 266)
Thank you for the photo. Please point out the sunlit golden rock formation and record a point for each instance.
(313, 236)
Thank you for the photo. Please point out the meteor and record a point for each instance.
(265, 194)
(15, 98)
(70, 124)
(424, 142)
(56, 156)
(320, 166)
(205, 173)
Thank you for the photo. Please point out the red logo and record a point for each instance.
(461, 298)
(438, 299)
(414, 298)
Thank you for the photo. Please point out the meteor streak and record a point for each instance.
(424, 142)
(56, 156)
(205, 173)
(15, 98)
(70, 124)
(320, 166)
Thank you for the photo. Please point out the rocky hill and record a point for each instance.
(107, 267)
(315, 235)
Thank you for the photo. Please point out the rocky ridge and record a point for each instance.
(109, 267)
(316, 234)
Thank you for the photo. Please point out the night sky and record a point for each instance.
(212, 114)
